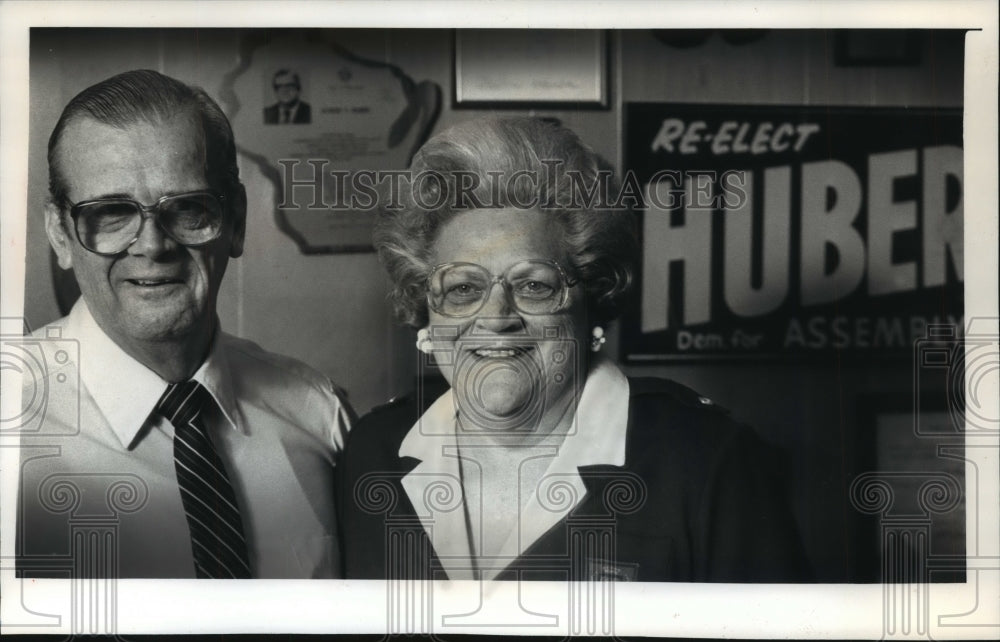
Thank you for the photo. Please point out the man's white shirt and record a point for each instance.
(98, 487)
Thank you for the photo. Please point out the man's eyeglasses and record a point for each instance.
(532, 287)
(108, 226)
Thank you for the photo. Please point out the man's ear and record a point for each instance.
(239, 213)
(58, 235)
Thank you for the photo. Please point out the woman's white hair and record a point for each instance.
(477, 164)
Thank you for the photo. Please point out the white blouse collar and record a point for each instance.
(434, 487)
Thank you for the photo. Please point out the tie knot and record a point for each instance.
(182, 402)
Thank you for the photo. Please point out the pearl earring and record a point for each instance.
(597, 340)
(424, 342)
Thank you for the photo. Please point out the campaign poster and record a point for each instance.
(773, 232)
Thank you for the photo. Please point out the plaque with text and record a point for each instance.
(320, 123)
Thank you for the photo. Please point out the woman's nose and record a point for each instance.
(497, 313)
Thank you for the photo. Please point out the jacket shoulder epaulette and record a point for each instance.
(677, 392)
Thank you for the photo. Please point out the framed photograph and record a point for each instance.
(910, 480)
(500, 68)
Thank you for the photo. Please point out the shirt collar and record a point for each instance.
(423, 441)
(601, 419)
(126, 391)
(216, 375)
(601, 422)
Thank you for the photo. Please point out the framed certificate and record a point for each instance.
(502, 68)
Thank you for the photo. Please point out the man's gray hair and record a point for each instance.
(145, 95)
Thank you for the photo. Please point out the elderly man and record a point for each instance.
(167, 448)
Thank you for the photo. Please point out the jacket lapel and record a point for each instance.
(434, 489)
(434, 486)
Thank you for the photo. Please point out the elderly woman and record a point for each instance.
(542, 460)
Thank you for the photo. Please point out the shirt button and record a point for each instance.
(705, 400)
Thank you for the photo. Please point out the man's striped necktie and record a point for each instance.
(213, 515)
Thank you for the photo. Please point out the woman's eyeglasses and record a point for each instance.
(532, 287)
(108, 226)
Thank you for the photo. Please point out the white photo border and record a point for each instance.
(686, 610)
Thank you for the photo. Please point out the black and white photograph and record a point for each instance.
(289, 109)
(675, 322)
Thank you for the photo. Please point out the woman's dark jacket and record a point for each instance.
(699, 499)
